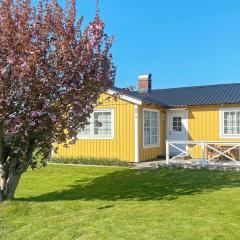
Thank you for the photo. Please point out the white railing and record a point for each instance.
(209, 150)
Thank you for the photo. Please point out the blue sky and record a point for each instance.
(182, 43)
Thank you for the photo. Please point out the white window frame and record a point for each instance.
(158, 128)
(110, 137)
(221, 117)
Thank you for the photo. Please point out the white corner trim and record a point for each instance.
(125, 97)
(221, 123)
(136, 132)
(159, 128)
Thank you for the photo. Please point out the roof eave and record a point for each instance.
(125, 97)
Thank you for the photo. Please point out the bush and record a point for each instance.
(91, 161)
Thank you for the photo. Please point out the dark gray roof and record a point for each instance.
(190, 96)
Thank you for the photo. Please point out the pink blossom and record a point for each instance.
(35, 113)
(3, 71)
(53, 118)
(32, 124)
(24, 65)
(11, 61)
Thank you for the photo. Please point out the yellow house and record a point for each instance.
(136, 125)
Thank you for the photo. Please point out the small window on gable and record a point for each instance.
(230, 122)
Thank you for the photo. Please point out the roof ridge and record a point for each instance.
(227, 93)
(197, 86)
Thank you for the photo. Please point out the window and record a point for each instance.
(177, 124)
(230, 122)
(100, 125)
(151, 128)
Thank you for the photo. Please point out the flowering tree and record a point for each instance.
(51, 75)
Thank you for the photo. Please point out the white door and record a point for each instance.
(177, 129)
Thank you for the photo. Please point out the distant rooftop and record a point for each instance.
(190, 96)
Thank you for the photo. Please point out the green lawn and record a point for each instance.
(71, 202)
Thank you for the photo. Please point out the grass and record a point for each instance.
(71, 202)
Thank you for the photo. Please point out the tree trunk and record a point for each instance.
(9, 185)
(3, 177)
(11, 170)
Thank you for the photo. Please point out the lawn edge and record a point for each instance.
(85, 165)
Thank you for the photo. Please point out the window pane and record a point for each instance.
(98, 116)
(154, 131)
(238, 119)
(146, 115)
(230, 130)
(108, 132)
(238, 130)
(225, 130)
(108, 125)
(154, 122)
(146, 140)
(98, 124)
(153, 140)
(226, 114)
(99, 132)
(153, 115)
(225, 123)
(86, 131)
(147, 123)
(147, 132)
(107, 115)
(96, 131)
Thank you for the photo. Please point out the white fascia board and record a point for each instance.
(125, 97)
(136, 132)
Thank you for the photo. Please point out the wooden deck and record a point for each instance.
(188, 164)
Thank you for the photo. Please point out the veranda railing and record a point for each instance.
(218, 150)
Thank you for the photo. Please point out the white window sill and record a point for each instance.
(230, 136)
(151, 146)
(95, 138)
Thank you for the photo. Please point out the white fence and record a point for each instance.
(209, 150)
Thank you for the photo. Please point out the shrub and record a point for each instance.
(91, 161)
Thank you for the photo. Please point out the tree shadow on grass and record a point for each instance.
(129, 184)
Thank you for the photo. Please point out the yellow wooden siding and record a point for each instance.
(121, 147)
(204, 125)
(151, 153)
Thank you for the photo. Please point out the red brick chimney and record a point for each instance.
(144, 83)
